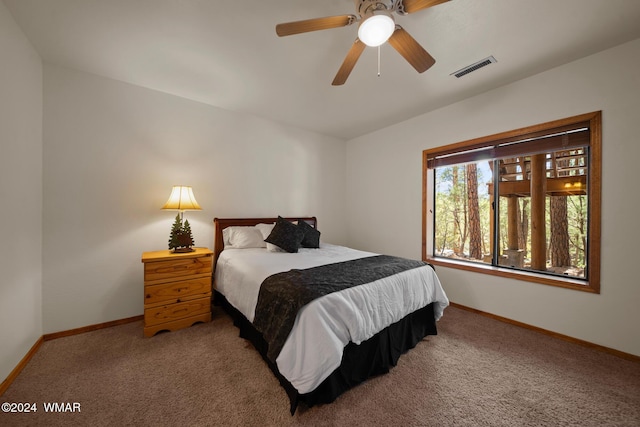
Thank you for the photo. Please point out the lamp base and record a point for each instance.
(182, 250)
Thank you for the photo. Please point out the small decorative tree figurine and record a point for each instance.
(181, 239)
(186, 234)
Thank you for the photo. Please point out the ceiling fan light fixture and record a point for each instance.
(376, 28)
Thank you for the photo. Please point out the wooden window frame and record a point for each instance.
(594, 191)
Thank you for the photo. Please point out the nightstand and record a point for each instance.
(177, 289)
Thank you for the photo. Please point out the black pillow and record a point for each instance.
(311, 235)
(286, 235)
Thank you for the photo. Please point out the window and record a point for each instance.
(523, 204)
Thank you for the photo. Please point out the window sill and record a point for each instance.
(562, 282)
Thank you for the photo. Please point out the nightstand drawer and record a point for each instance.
(173, 312)
(176, 291)
(177, 268)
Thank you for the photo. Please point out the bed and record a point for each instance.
(322, 344)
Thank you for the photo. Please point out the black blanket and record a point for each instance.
(282, 295)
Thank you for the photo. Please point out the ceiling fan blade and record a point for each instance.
(349, 62)
(411, 6)
(315, 24)
(411, 50)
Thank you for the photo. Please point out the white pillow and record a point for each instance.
(266, 229)
(273, 248)
(241, 237)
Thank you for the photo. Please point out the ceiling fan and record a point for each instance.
(376, 26)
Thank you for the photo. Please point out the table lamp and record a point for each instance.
(181, 199)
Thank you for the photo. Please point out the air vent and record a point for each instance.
(473, 67)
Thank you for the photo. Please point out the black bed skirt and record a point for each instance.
(359, 362)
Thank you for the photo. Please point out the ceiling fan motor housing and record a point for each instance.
(367, 7)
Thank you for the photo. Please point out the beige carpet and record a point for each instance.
(476, 372)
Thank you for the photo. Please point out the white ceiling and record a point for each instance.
(226, 53)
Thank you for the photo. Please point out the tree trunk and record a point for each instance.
(523, 225)
(475, 234)
(560, 256)
(455, 190)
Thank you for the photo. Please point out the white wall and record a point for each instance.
(112, 151)
(384, 193)
(20, 194)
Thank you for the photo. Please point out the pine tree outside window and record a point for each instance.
(522, 204)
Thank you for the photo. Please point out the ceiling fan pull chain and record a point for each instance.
(378, 61)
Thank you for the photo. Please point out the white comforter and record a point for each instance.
(326, 325)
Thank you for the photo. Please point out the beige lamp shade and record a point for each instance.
(182, 199)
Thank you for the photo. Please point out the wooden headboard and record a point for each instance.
(222, 223)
